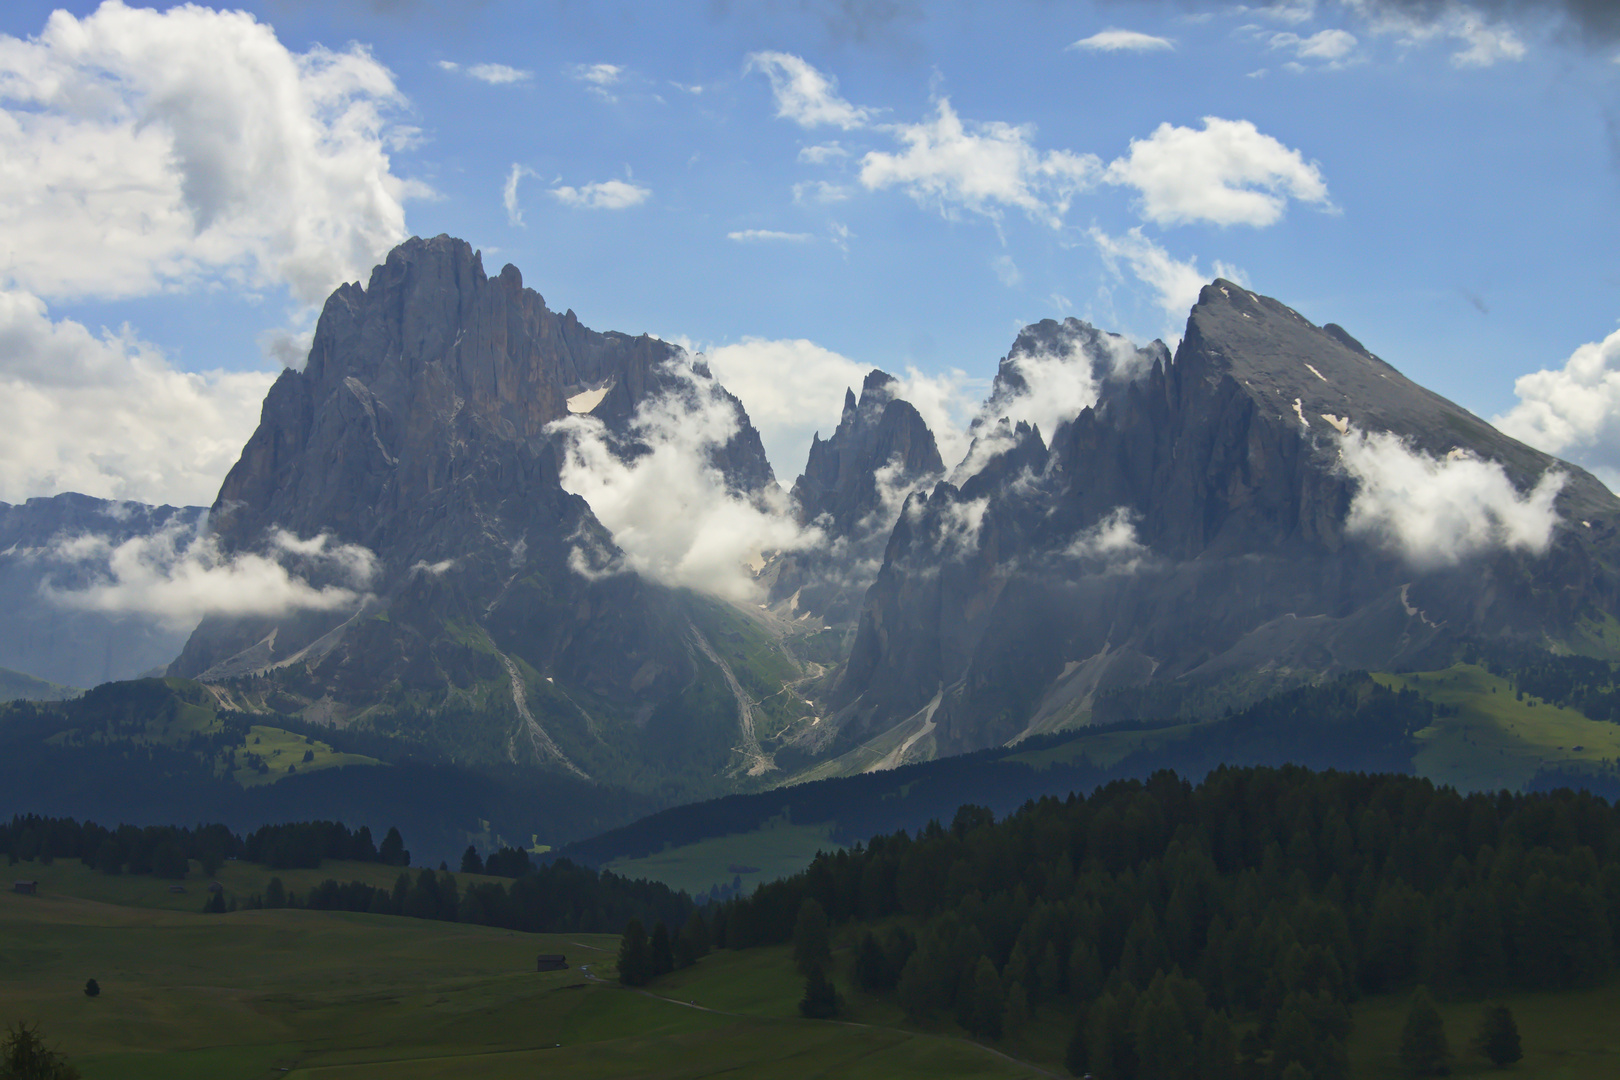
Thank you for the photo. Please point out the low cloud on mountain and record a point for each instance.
(178, 575)
(1438, 511)
(668, 508)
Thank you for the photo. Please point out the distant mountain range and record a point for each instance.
(1132, 534)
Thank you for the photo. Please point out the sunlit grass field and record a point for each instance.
(775, 850)
(1496, 740)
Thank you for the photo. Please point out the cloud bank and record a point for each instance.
(178, 575)
(108, 416)
(1438, 511)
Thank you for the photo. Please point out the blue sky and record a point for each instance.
(821, 186)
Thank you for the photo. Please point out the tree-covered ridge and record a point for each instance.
(1167, 918)
(166, 850)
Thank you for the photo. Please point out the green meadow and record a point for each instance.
(775, 850)
(1495, 739)
(307, 994)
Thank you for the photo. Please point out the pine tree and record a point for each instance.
(812, 949)
(986, 1002)
(1498, 1037)
(1016, 1014)
(661, 951)
(871, 966)
(820, 999)
(392, 852)
(635, 957)
(1077, 1058)
(1423, 1039)
(471, 862)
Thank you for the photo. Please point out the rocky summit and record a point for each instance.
(1131, 534)
(851, 491)
(1273, 504)
(409, 465)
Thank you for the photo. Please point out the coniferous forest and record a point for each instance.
(1224, 930)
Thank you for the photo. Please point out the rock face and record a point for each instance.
(1192, 534)
(852, 489)
(45, 638)
(418, 431)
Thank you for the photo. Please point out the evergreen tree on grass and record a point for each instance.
(635, 955)
(1498, 1037)
(820, 999)
(1424, 1051)
(661, 950)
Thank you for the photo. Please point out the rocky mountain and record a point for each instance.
(411, 463)
(852, 489)
(1272, 505)
(45, 545)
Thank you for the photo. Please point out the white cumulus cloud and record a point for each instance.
(805, 95)
(108, 416)
(143, 149)
(1438, 511)
(605, 195)
(1573, 411)
(1228, 173)
(1116, 40)
(981, 167)
(1110, 545)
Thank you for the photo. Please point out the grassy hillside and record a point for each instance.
(16, 686)
(307, 995)
(1491, 737)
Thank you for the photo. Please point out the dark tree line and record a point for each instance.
(164, 850)
(1166, 917)
(556, 898)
